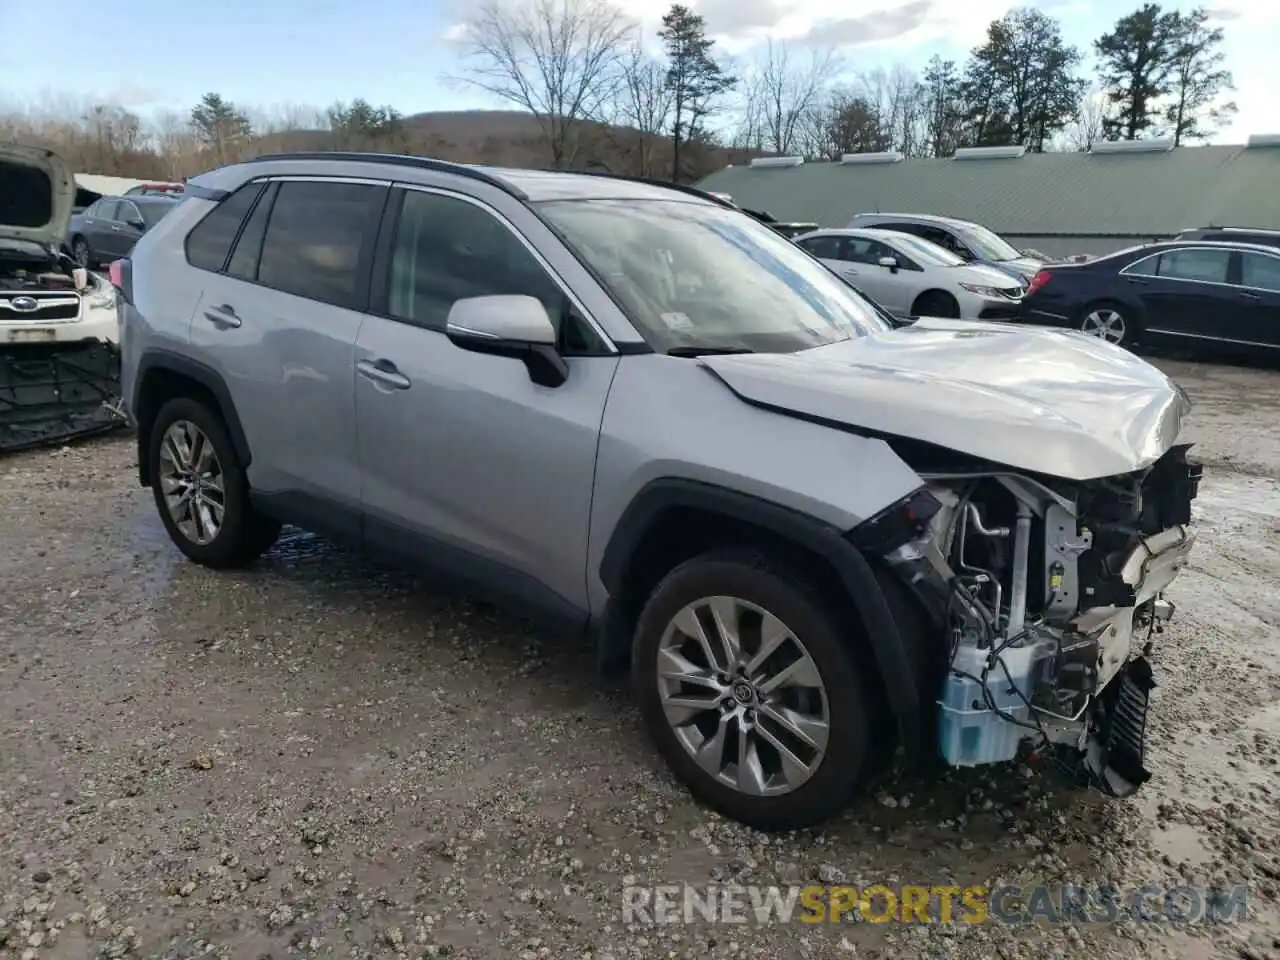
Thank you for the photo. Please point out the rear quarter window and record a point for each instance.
(209, 242)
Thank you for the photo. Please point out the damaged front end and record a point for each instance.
(59, 365)
(1049, 593)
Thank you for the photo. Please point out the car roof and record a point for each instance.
(874, 233)
(1264, 231)
(920, 218)
(1158, 245)
(526, 184)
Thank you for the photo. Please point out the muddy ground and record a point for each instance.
(317, 757)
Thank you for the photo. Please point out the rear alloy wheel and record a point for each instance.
(201, 490)
(750, 692)
(1106, 322)
(80, 251)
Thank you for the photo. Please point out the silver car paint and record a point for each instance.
(667, 417)
(537, 478)
(1037, 399)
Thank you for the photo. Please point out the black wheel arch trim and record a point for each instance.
(892, 660)
(158, 359)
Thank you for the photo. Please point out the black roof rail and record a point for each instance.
(400, 160)
(653, 182)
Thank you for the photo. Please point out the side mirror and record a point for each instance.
(891, 263)
(138, 224)
(513, 326)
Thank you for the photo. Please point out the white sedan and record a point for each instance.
(912, 277)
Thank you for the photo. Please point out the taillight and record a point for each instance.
(120, 273)
(1039, 280)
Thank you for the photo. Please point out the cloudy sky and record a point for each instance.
(157, 54)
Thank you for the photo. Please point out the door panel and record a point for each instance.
(1259, 298)
(284, 336)
(1188, 297)
(464, 451)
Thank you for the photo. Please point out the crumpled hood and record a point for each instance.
(1049, 401)
(37, 194)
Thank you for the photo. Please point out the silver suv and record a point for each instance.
(815, 540)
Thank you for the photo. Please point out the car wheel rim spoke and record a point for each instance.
(191, 482)
(743, 696)
(1106, 325)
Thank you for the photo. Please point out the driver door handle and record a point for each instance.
(383, 372)
(223, 317)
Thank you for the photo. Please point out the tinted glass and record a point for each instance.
(824, 248)
(1148, 267)
(1205, 265)
(1260, 271)
(210, 241)
(988, 245)
(447, 249)
(244, 260)
(928, 252)
(127, 211)
(865, 250)
(106, 209)
(696, 276)
(315, 237)
(153, 213)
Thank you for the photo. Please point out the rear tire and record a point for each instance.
(201, 490)
(756, 597)
(936, 303)
(1110, 321)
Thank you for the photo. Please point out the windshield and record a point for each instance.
(926, 251)
(987, 245)
(697, 276)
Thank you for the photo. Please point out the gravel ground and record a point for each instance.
(317, 757)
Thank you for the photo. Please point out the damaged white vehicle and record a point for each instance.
(816, 540)
(59, 364)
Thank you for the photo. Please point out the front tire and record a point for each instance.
(751, 692)
(201, 490)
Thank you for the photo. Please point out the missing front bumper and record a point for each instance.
(51, 393)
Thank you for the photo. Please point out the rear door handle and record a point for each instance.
(223, 317)
(384, 372)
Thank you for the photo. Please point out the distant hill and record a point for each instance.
(511, 138)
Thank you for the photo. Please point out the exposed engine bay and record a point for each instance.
(1050, 593)
(59, 365)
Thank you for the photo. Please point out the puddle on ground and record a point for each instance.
(1181, 843)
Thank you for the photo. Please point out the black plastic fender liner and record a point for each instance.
(158, 361)
(893, 661)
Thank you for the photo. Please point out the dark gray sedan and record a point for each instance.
(108, 229)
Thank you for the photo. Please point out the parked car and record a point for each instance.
(1266, 238)
(971, 241)
(58, 362)
(910, 276)
(645, 415)
(155, 190)
(109, 228)
(1177, 292)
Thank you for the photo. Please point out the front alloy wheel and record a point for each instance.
(1105, 323)
(192, 482)
(748, 681)
(743, 696)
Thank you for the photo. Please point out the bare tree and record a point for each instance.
(644, 104)
(177, 145)
(1090, 123)
(782, 95)
(556, 59)
(895, 102)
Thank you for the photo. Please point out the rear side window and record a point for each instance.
(210, 241)
(1207, 266)
(318, 239)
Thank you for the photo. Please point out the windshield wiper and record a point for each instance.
(686, 351)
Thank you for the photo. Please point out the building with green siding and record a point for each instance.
(1061, 204)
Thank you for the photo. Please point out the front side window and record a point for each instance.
(315, 237)
(865, 250)
(701, 277)
(930, 254)
(128, 212)
(1207, 266)
(1260, 271)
